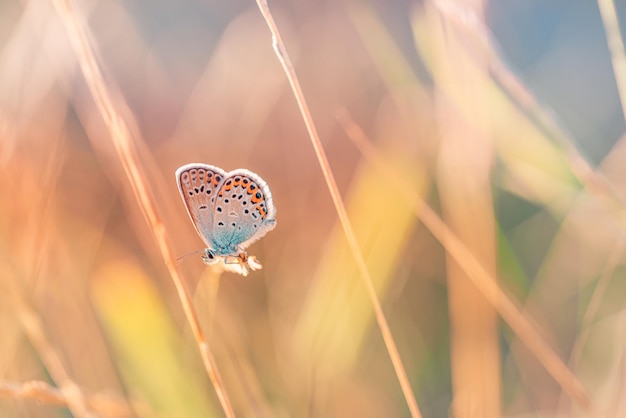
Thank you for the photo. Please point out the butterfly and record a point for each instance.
(230, 211)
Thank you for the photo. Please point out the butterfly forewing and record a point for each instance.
(244, 210)
(198, 185)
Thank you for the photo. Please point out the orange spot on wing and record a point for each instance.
(252, 188)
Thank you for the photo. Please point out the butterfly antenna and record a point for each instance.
(182, 257)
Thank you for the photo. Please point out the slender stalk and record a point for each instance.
(616, 46)
(119, 131)
(283, 57)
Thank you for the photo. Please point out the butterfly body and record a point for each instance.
(230, 211)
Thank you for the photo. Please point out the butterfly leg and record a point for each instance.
(243, 262)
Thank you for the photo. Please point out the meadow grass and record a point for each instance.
(459, 200)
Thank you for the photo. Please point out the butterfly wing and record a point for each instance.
(244, 211)
(198, 184)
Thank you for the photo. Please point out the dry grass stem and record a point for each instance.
(120, 135)
(283, 56)
(506, 307)
(104, 405)
(214, 278)
(616, 46)
(464, 187)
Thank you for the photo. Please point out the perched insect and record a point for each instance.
(230, 211)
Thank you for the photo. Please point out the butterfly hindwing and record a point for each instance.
(244, 211)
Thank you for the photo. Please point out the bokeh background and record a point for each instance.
(503, 116)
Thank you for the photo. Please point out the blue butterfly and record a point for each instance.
(230, 211)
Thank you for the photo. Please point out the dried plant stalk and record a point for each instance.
(283, 57)
(616, 46)
(464, 186)
(122, 139)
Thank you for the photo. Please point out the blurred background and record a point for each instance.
(503, 116)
